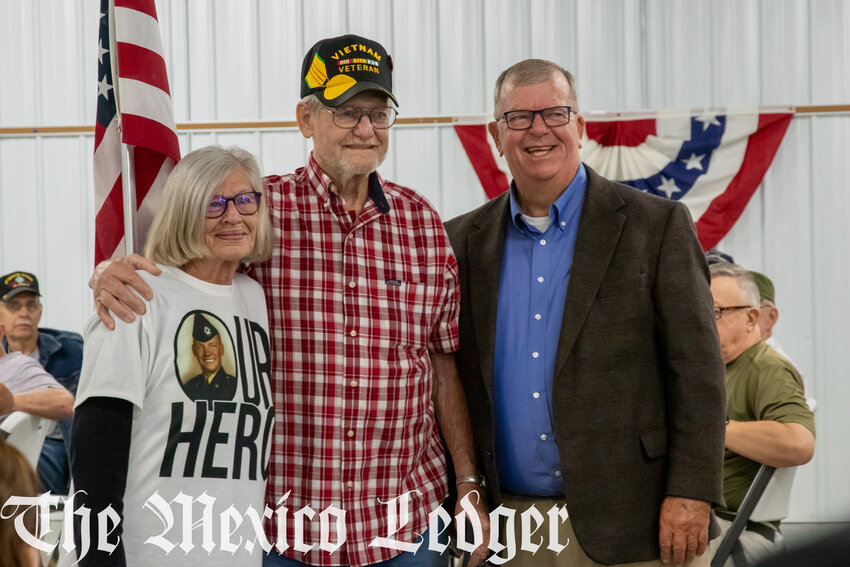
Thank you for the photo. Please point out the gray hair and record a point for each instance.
(314, 105)
(532, 72)
(746, 283)
(176, 235)
(312, 102)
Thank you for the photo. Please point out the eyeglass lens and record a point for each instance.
(15, 306)
(245, 203)
(523, 119)
(349, 116)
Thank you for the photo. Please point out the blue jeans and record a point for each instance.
(53, 466)
(422, 558)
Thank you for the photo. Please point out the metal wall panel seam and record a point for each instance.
(38, 64)
(644, 41)
(213, 79)
(440, 146)
(81, 58)
(86, 205)
(40, 205)
(187, 61)
(821, 472)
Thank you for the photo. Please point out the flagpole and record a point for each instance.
(128, 170)
(128, 186)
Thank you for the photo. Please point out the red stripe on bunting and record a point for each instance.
(143, 65)
(145, 6)
(629, 133)
(727, 207)
(141, 131)
(474, 140)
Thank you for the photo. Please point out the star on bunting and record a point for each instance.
(668, 186)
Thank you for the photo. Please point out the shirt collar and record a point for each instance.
(322, 185)
(569, 197)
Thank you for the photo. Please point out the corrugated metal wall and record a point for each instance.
(235, 60)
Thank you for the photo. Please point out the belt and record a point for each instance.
(767, 531)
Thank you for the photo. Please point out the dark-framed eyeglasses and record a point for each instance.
(523, 119)
(349, 116)
(719, 311)
(246, 203)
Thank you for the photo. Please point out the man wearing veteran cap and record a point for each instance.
(363, 303)
(59, 352)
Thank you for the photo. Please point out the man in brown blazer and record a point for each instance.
(588, 349)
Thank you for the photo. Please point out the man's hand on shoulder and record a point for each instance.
(113, 284)
(683, 529)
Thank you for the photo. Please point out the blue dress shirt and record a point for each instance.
(532, 291)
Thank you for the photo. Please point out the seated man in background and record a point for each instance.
(60, 353)
(768, 421)
(30, 388)
(769, 314)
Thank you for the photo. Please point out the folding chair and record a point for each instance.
(767, 500)
(26, 432)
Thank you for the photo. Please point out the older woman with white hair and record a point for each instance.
(173, 411)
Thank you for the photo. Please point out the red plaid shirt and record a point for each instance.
(354, 307)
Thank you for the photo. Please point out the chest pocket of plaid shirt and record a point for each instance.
(400, 309)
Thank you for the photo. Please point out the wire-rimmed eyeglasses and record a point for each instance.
(349, 116)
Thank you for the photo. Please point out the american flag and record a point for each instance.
(141, 116)
(712, 162)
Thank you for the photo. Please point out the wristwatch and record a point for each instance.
(473, 478)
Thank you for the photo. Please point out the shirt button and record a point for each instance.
(543, 437)
(352, 284)
(327, 204)
(535, 354)
(540, 279)
(557, 473)
(353, 383)
(349, 484)
(537, 316)
(543, 242)
(535, 395)
(563, 223)
(350, 433)
(353, 333)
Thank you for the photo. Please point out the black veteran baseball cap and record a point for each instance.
(337, 68)
(17, 282)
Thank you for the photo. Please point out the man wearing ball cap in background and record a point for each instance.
(769, 315)
(59, 352)
(363, 310)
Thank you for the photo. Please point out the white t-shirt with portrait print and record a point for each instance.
(213, 454)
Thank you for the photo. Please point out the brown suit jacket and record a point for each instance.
(638, 392)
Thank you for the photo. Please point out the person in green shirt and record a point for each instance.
(768, 420)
